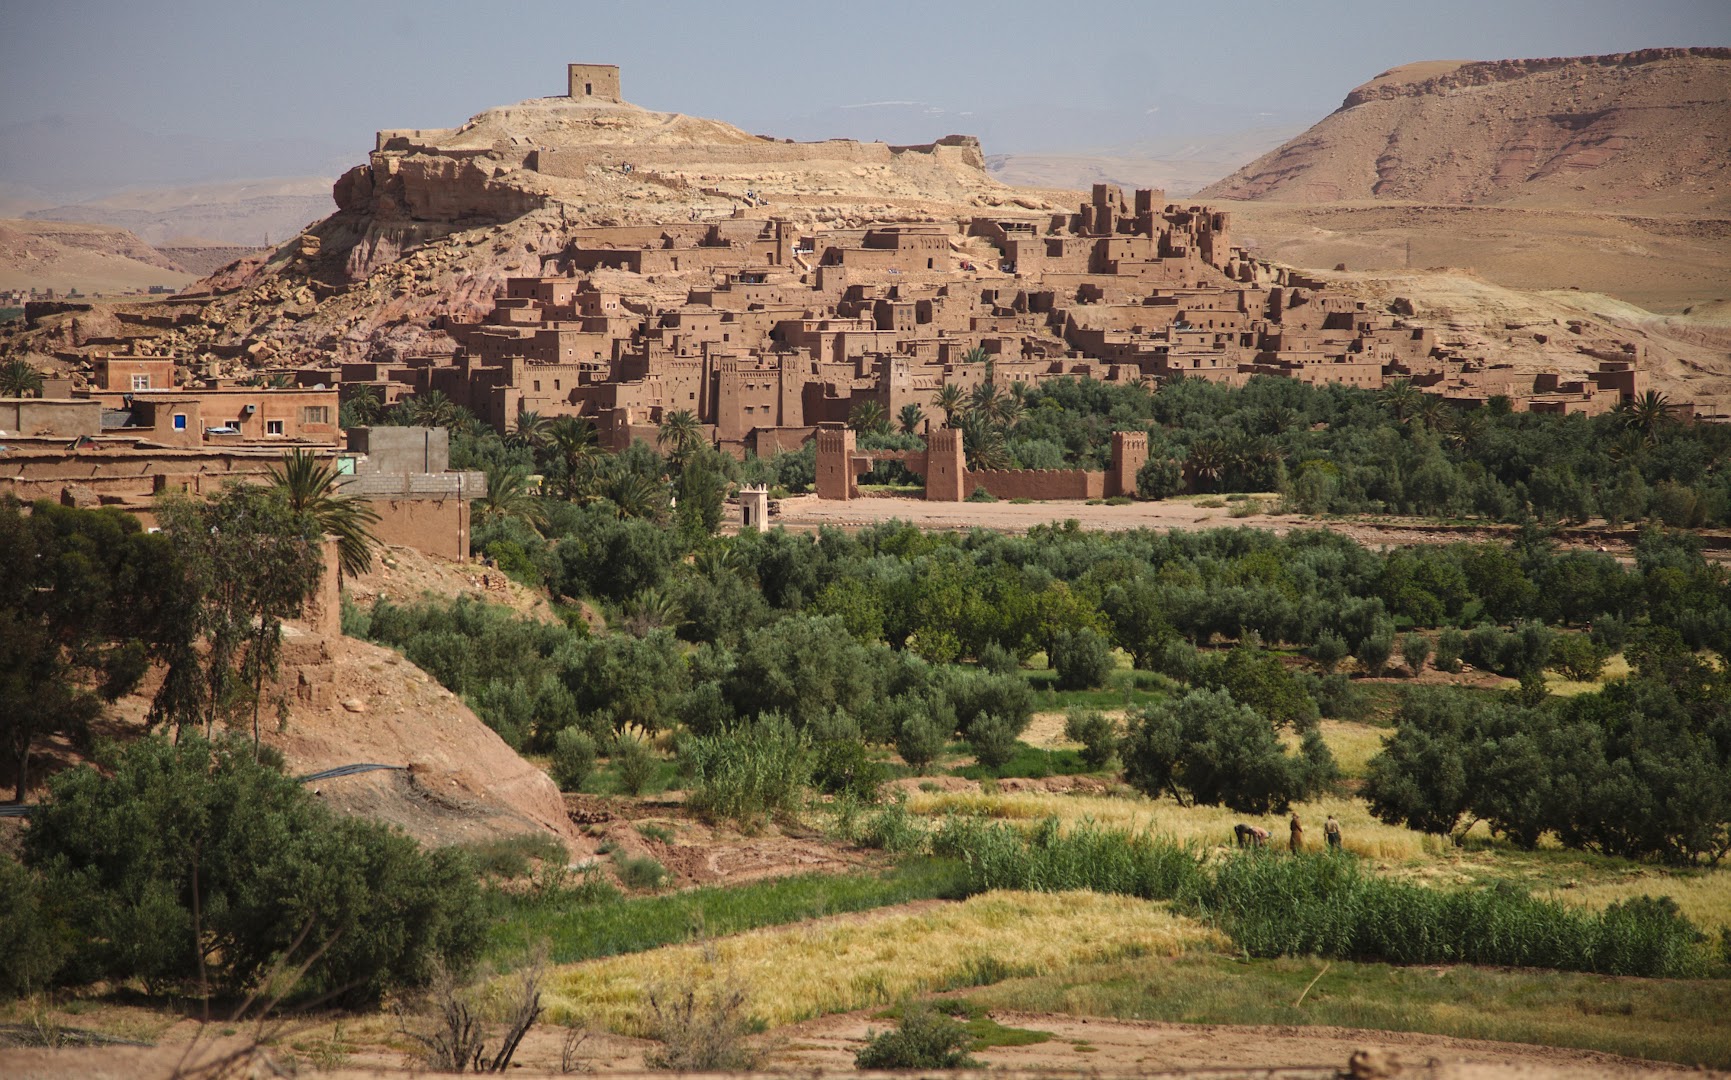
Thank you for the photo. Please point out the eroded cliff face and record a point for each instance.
(1642, 130)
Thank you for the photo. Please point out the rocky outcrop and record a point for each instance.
(1630, 130)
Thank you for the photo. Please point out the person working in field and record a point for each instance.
(1331, 832)
(1249, 835)
(1297, 843)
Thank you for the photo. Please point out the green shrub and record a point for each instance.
(1097, 734)
(1450, 645)
(749, 773)
(1160, 477)
(845, 767)
(981, 495)
(922, 736)
(636, 763)
(1415, 649)
(923, 1039)
(270, 865)
(639, 873)
(34, 942)
(993, 740)
(1375, 648)
(508, 856)
(573, 758)
(1328, 650)
(996, 659)
(1082, 659)
(1119, 500)
(1579, 657)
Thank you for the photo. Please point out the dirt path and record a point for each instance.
(1117, 1047)
(807, 512)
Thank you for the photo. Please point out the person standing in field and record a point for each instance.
(1331, 833)
(1297, 833)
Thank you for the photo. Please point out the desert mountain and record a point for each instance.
(244, 213)
(63, 255)
(1631, 130)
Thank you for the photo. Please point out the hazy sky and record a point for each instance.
(123, 92)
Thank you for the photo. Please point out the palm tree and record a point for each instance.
(951, 399)
(634, 495)
(19, 379)
(1206, 462)
(572, 439)
(530, 432)
(1433, 413)
(977, 355)
(988, 401)
(910, 418)
(1465, 428)
(431, 409)
(868, 418)
(1402, 399)
(310, 485)
(713, 561)
(983, 443)
(508, 497)
(282, 380)
(682, 431)
(650, 609)
(364, 406)
(1646, 414)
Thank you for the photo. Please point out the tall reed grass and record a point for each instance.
(1274, 904)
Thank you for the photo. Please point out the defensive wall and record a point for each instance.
(840, 463)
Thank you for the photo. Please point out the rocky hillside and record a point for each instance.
(1632, 131)
(436, 219)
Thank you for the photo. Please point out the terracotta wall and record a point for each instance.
(438, 527)
(1038, 483)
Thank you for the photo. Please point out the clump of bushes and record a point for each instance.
(924, 1038)
(748, 773)
(573, 758)
(122, 858)
(1097, 734)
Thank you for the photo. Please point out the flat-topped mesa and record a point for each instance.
(1414, 80)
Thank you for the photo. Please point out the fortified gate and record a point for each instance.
(943, 463)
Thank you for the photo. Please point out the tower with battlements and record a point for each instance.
(593, 82)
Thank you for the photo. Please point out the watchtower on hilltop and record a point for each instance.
(598, 82)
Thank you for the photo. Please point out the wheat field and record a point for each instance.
(793, 973)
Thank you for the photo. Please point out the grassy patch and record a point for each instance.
(987, 1033)
(1667, 1020)
(574, 930)
(509, 856)
(605, 780)
(1029, 762)
(792, 973)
